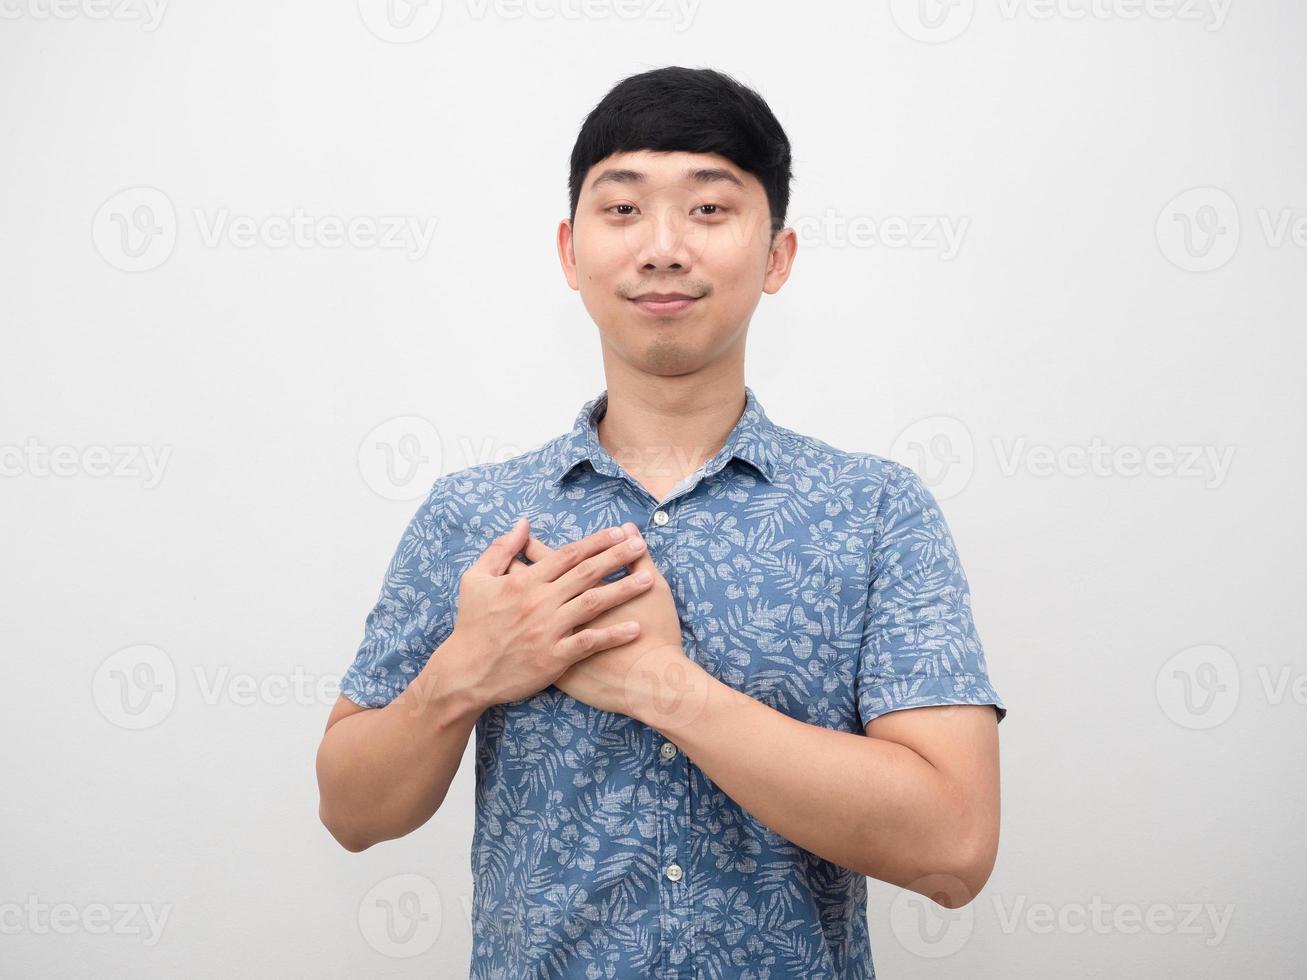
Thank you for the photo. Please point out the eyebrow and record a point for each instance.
(700, 175)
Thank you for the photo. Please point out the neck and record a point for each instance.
(660, 429)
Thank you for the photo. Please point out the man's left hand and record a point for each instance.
(640, 675)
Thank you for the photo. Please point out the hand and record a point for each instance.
(638, 677)
(518, 632)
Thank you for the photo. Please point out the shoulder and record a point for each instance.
(481, 487)
(523, 467)
(872, 474)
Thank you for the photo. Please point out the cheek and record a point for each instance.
(733, 278)
(598, 261)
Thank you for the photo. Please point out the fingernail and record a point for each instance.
(617, 533)
(644, 578)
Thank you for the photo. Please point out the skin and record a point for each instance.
(672, 222)
(916, 801)
(913, 801)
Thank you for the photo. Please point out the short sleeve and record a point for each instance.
(919, 646)
(413, 613)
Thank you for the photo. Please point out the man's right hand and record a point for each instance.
(515, 630)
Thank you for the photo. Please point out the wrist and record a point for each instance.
(447, 686)
(673, 691)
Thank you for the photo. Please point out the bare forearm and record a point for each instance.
(867, 804)
(383, 772)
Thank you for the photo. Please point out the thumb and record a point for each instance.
(496, 558)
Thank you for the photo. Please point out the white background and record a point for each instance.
(1140, 622)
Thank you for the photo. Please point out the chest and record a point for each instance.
(772, 601)
(770, 585)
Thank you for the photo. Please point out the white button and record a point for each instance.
(668, 750)
(660, 517)
(674, 872)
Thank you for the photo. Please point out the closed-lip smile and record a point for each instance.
(664, 303)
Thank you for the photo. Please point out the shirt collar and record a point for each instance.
(755, 439)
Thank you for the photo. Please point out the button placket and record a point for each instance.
(674, 821)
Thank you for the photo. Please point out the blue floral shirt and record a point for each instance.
(821, 582)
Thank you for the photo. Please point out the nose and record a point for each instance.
(663, 238)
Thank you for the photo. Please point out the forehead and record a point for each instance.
(645, 171)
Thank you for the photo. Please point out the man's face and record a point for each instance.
(652, 226)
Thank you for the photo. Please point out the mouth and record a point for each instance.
(663, 304)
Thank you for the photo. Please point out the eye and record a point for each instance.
(624, 213)
(717, 209)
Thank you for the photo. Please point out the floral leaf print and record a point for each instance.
(821, 582)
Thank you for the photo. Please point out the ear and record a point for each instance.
(567, 253)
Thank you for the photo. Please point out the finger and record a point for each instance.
(537, 550)
(644, 563)
(495, 559)
(561, 560)
(593, 570)
(534, 550)
(585, 607)
(583, 643)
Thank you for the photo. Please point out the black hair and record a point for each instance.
(694, 110)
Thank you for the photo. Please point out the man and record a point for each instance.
(802, 699)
